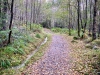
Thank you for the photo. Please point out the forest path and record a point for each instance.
(56, 60)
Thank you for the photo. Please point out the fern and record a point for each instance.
(9, 50)
(20, 51)
(5, 63)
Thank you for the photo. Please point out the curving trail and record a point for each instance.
(56, 61)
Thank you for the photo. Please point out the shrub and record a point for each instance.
(20, 51)
(36, 27)
(61, 30)
(38, 36)
(3, 37)
(9, 50)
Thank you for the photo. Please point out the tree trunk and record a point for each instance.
(91, 23)
(94, 21)
(69, 19)
(11, 19)
(26, 13)
(84, 28)
(78, 20)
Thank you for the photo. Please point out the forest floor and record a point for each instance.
(57, 60)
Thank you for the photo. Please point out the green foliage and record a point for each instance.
(38, 35)
(73, 32)
(15, 61)
(60, 30)
(20, 51)
(16, 48)
(9, 50)
(27, 39)
(64, 30)
(36, 27)
(5, 63)
(3, 35)
(19, 45)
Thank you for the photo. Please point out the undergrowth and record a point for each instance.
(64, 31)
(22, 45)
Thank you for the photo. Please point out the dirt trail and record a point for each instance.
(56, 61)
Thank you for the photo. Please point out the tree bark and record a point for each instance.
(78, 19)
(94, 20)
(11, 19)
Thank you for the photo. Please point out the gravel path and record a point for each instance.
(56, 61)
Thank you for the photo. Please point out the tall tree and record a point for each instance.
(94, 20)
(78, 19)
(69, 26)
(11, 19)
(84, 27)
(26, 13)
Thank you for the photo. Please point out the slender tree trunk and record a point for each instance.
(34, 11)
(90, 25)
(26, 13)
(99, 30)
(0, 13)
(84, 28)
(69, 19)
(94, 21)
(11, 19)
(31, 13)
(78, 20)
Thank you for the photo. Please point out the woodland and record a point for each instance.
(25, 24)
